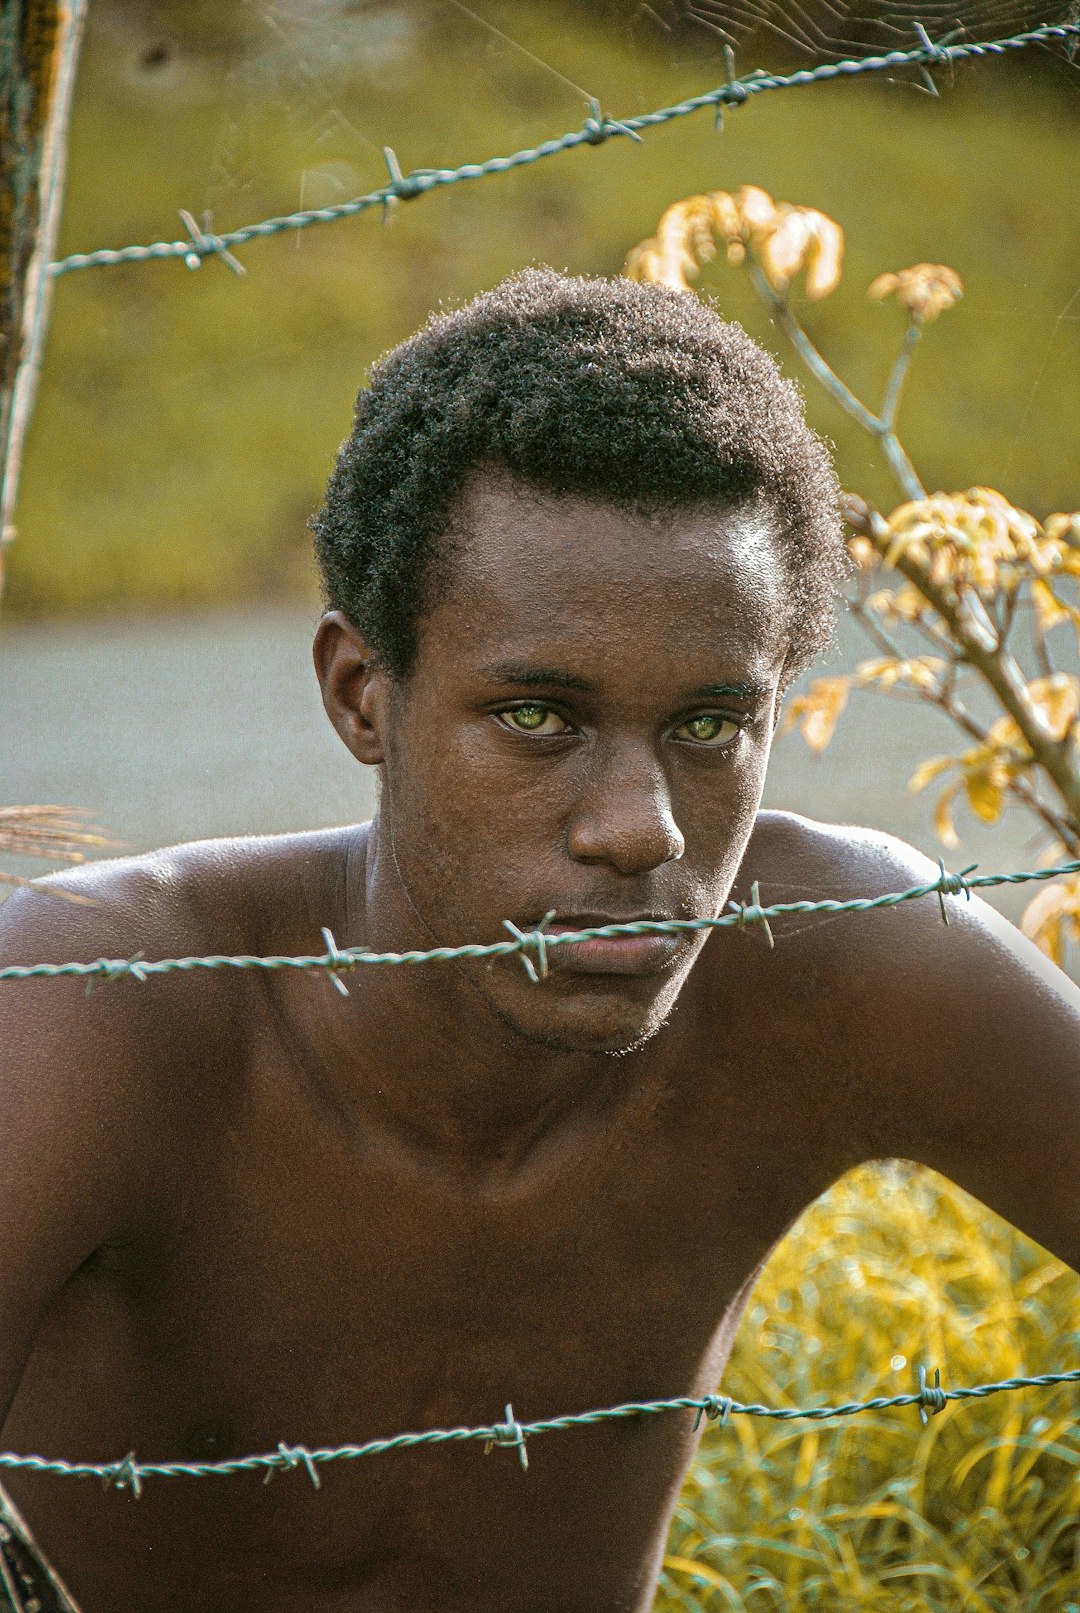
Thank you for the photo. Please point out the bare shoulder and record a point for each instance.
(794, 860)
(205, 896)
(907, 945)
(223, 896)
(956, 1045)
(937, 1018)
(813, 860)
(105, 1025)
(797, 858)
(119, 1086)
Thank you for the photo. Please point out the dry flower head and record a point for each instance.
(986, 771)
(786, 240)
(980, 541)
(925, 291)
(817, 712)
(1052, 918)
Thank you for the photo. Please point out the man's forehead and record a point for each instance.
(587, 590)
(526, 557)
(505, 524)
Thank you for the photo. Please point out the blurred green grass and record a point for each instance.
(187, 420)
(980, 1510)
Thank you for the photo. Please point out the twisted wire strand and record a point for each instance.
(338, 959)
(129, 1473)
(202, 243)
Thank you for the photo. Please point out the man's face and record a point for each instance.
(586, 729)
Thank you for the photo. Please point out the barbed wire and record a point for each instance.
(201, 241)
(129, 1473)
(539, 941)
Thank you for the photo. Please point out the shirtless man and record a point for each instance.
(576, 548)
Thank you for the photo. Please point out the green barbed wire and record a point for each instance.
(202, 242)
(129, 1472)
(336, 959)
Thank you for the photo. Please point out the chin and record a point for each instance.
(589, 1027)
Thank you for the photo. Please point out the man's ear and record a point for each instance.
(355, 688)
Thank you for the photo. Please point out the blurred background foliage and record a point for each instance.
(187, 420)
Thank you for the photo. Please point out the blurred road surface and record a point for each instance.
(187, 727)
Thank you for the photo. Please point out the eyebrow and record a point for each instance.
(534, 677)
(752, 690)
(539, 677)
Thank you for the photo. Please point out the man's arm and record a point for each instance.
(976, 1054)
(82, 1114)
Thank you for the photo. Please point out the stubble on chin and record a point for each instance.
(617, 1044)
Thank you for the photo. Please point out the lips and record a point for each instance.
(616, 954)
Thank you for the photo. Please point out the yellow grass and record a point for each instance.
(57, 833)
(980, 1510)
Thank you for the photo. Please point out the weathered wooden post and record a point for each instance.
(39, 48)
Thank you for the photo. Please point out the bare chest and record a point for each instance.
(376, 1290)
(327, 1289)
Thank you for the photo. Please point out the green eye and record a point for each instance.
(710, 730)
(534, 719)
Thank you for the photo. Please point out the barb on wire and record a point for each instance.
(336, 959)
(596, 130)
(131, 1474)
(533, 941)
(203, 243)
(932, 1397)
(509, 1433)
(339, 959)
(752, 912)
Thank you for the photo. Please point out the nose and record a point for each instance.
(624, 816)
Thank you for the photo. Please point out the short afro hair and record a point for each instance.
(628, 393)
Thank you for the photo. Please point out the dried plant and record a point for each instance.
(954, 572)
(975, 1511)
(52, 832)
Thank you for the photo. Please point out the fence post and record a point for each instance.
(39, 49)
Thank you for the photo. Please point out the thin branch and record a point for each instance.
(938, 639)
(43, 42)
(1042, 652)
(945, 700)
(1009, 621)
(892, 447)
(814, 361)
(894, 388)
(1058, 758)
(901, 465)
(873, 630)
